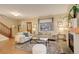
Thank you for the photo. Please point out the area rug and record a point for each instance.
(52, 47)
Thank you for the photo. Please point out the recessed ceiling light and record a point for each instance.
(15, 13)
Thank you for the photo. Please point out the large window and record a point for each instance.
(46, 24)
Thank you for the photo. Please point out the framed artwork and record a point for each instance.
(45, 24)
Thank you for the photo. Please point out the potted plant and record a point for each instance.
(74, 11)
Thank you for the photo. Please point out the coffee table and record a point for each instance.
(39, 41)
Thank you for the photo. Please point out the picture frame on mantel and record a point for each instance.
(45, 25)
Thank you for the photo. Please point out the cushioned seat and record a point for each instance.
(39, 49)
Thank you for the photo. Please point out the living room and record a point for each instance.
(46, 25)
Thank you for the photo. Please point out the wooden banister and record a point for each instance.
(5, 30)
(4, 25)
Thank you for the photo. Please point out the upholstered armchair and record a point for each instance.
(22, 37)
(39, 49)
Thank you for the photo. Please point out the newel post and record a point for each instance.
(10, 32)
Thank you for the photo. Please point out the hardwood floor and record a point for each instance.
(7, 47)
(13, 51)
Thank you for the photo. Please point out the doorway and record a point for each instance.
(29, 27)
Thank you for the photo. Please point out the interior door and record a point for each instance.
(29, 27)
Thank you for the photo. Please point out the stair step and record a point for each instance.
(2, 38)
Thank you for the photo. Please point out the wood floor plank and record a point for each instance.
(7, 47)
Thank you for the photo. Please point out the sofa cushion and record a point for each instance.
(26, 34)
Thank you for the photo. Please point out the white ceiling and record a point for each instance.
(33, 10)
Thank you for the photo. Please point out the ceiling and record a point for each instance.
(33, 10)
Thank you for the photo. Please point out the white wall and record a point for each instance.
(76, 43)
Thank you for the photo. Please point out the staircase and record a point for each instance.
(3, 38)
(5, 30)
